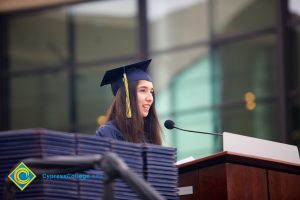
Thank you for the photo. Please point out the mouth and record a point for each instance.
(146, 107)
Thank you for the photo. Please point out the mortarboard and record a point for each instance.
(122, 75)
(134, 72)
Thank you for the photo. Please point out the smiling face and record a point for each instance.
(144, 97)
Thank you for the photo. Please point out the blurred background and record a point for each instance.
(218, 65)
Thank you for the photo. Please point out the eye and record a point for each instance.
(142, 90)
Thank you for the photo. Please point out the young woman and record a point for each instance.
(132, 116)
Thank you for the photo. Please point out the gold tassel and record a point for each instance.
(128, 107)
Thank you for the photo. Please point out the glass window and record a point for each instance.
(234, 16)
(247, 66)
(40, 101)
(167, 135)
(105, 29)
(180, 76)
(195, 144)
(184, 88)
(192, 88)
(261, 122)
(162, 101)
(37, 40)
(179, 22)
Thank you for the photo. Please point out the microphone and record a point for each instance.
(169, 124)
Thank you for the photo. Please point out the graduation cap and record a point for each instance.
(124, 75)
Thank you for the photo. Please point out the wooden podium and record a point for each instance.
(228, 175)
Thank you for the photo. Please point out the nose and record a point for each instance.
(149, 97)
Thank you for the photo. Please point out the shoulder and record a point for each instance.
(109, 130)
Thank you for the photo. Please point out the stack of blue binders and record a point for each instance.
(91, 188)
(154, 163)
(161, 171)
(16, 146)
(133, 156)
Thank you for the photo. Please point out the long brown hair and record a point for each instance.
(137, 129)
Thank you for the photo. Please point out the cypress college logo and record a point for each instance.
(22, 176)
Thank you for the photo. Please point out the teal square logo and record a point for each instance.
(22, 176)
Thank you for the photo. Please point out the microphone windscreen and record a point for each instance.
(169, 124)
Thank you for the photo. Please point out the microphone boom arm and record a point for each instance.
(218, 134)
(169, 124)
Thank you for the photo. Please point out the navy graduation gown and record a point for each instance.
(109, 130)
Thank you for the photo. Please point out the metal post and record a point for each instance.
(283, 60)
(4, 75)
(143, 51)
(72, 73)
